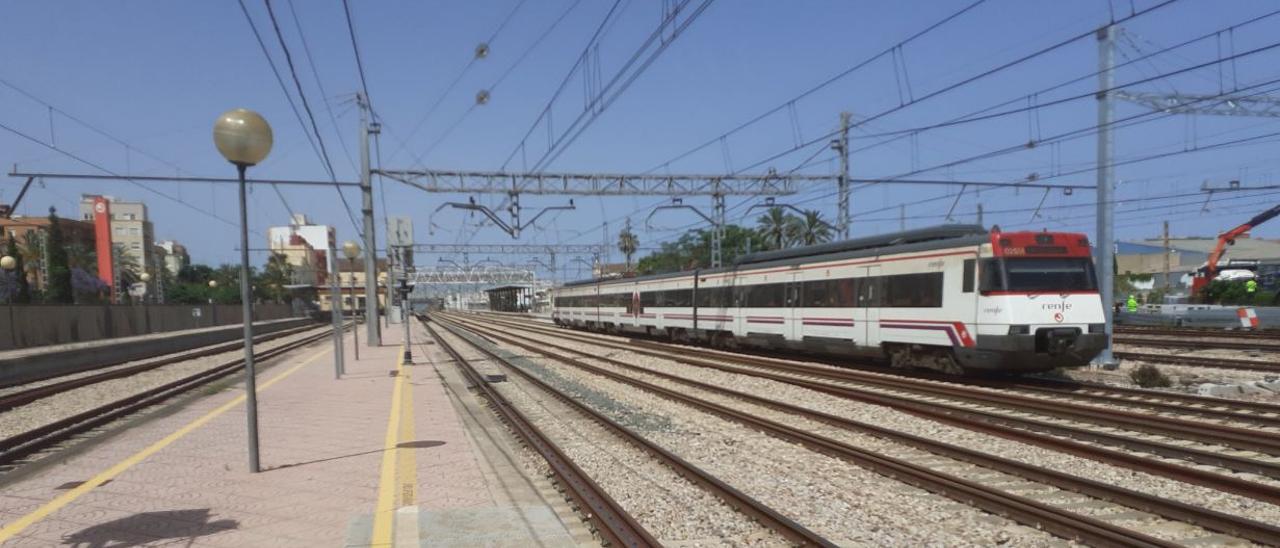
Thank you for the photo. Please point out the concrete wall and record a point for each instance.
(1198, 316)
(26, 326)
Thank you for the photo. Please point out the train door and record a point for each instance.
(793, 314)
(869, 302)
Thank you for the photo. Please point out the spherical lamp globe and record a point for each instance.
(242, 136)
(351, 249)
(8, 262)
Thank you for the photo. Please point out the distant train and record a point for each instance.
(953, 298)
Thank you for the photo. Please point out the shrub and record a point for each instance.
(1149, 376)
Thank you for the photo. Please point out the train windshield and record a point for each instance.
(1038, 275)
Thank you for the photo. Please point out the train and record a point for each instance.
(955, 298)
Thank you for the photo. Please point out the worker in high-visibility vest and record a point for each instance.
(1251, 287)
(1132, 304)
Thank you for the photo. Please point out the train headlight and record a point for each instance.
(1019, 330)
(1097, 328)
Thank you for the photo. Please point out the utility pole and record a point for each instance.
(1167, 284)
(717, 234)
(335, 310)
(367, 128)
(1103, 247)
(980, 214)
(902, 217)
(842, 207)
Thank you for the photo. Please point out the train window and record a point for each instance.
(815, 293)
(967, 284)
(990, 276)
(764, 295)
(913, 290)
(1035, 274)
(648, 298)
(713, 297)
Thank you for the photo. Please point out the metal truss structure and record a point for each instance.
(471, 276)
(510, 249)
(1216, 105)
(603, 184)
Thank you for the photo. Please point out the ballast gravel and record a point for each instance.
(890, 418)
(844, 503)
(667, 505)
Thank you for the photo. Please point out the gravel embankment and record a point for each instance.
(845, 503)
(889, 418)
(670, 507)
(79, 400)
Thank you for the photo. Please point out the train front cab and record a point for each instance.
(1038, 306)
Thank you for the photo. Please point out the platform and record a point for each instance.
(375, 459)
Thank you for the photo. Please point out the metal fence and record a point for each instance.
(24, 326)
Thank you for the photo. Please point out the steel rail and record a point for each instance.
(1195, 343)
(215, 348)
(736, 499)
(1265, 334)
(26, 443)
(1029, 512)
(1022, 429)
(1200, 361)
(1208, 518)
(612, 521)
(15, 399)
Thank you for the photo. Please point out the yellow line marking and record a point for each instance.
(406, 457)
(384, 514)
(12, 529)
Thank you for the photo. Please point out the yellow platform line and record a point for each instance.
(398, 483)
(12, 529)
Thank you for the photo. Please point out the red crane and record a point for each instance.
(1210, 269)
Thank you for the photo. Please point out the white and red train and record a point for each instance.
(953, 298)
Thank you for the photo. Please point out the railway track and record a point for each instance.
(1267, 345)
(1201, 361)
(1271, 335)
(1085, 440)
(612, 521)
(1031, 512)
(22, 397)
(173, 358)
(20, 446)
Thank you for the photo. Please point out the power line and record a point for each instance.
(306, 50)
(457, 79)
(306, 105)
(108, 171)
(825, 83)
(351, 29)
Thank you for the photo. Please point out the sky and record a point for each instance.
(134, 87)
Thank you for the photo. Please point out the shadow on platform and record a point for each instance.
(147, 527)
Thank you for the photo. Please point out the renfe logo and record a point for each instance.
(1059, 306)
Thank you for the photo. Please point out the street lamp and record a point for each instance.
(243, 137)
(352, 251)
(145, 277)
(8, 263)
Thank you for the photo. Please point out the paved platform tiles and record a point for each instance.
(180, 477)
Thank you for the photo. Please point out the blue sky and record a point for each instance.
(156, 74)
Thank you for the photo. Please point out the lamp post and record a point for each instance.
(244, 138)
(352, 251)
(145, 277)
(8, 263)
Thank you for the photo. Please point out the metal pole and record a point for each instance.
(246, 305)
(980, 214)
(355, 317)
(404, 310)
(842, 222)
(366, 194)
(1167, 283)
(335, 311)
(1103, 248)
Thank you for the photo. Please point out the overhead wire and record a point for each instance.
(306, 50)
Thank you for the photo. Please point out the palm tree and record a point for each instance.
(778, 228)
(628, 243)
(812, 229)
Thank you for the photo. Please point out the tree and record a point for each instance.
(812, 229)
(127, 269)
(278, 273)
(693, 250)
(778, 228)
(628, 243)
(58, 286)
(22, 289)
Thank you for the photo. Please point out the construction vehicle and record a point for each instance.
(1209, 271)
